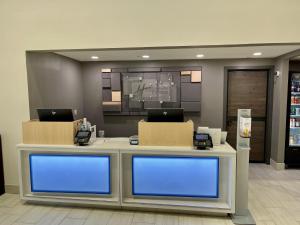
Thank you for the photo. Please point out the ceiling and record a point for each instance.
(296, 58)
(268, 51)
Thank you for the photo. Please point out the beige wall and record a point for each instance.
(75, 24)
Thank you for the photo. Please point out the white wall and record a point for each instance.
(75, 24)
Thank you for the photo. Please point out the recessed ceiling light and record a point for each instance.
(257, 53)
(94, 57)
(145, 56)
(199, 55)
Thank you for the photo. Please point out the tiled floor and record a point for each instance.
(274, 196)
(274, 199)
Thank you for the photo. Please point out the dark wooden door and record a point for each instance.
(247, 89)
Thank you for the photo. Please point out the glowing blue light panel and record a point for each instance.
(70, 173)
(175, 176)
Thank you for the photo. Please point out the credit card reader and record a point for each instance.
(83, 137)
(202, 141)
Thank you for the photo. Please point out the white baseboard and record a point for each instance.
(276, 165)
(12, 189)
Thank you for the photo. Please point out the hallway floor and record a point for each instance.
(274, 196)
(274, 199)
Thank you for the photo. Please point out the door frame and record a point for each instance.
(270, 87)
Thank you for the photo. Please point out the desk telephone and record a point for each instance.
(202, 141)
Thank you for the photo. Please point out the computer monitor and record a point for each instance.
(165, 115)
(56, 115)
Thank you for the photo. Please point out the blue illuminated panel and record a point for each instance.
(175, 176)
(70, 173)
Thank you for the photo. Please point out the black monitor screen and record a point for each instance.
(62, 115)
(165, 115)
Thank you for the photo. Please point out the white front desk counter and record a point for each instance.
(112, 173)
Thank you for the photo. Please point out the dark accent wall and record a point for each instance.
(59, 82)
(92, 94)
(54, 82)
(212, 92)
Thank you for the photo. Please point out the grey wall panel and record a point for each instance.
(115, 82)
(54, 81)
(279, 110)
(212, 89)
(150, 75)
(119, 70)
(92, 94)
(185, 79)
(144, 69)
(212, 92)
(191, 106)
(170, 104)
(111, 108)
(125, 103)
(106, 83)
(106, 75)
(135, 105)
(121, 126)
(152, 104)
(106, 95)
(181, 68)
(176, 79)
(190, 92)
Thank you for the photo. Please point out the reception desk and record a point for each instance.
(112, 173)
